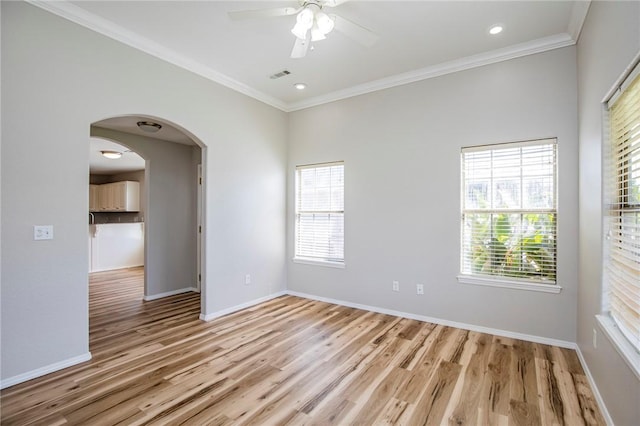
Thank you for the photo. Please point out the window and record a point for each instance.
(509, 215)
(319, 234)
(621, 269)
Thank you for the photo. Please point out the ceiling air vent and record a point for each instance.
(279, 74)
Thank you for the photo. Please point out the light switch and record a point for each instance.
(43, 232)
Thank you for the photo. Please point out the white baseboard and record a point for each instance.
(464, 326)
(115, 269)
(218, 314)
(44, 370)
(592, 383)
(170, 293)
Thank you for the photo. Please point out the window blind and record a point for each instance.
(320, 212)
(509, 211)
(622, 221)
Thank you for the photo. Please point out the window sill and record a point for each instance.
(302, 261)
(517, 285)
(620, 343)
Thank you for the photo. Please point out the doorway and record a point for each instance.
(173, 205)
(117, 196)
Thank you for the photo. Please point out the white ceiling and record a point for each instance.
(418, 40)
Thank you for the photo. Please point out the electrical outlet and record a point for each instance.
(43, 232)
(595, 338)
(396, 286)
(247, 279)
(419, 289)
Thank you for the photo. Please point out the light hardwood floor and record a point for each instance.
(295, 361)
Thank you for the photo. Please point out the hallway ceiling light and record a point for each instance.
(496, 29)
(149, 126)
(112, 155)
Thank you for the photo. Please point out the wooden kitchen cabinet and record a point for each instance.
(94, 202)
(121, 196)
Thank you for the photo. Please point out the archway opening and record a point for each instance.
(171, 209)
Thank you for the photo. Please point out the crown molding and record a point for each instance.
(107, 28)
(578, 16)
(469, 62)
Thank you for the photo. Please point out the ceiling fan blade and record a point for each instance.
(300, 48)
(261, 13)
(356, 32)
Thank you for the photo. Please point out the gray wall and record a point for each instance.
(401, 149)
(609, 41)
(57, 79)
(170, 244)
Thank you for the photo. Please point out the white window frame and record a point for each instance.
(606, 321)
(466, 277)
(299, 256)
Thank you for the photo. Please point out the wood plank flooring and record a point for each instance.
(295, 361)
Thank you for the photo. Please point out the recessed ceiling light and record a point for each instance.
(496, 29)
(149, 126)
(300, 86)
(112, 155)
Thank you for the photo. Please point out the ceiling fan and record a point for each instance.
(312, 23)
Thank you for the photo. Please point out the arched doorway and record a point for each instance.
(173, 202)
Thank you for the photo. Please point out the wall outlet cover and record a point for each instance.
(43, 232)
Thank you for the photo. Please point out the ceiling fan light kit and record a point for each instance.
(300, 31)
(312, 24)
(311, 17)
(324, 22)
